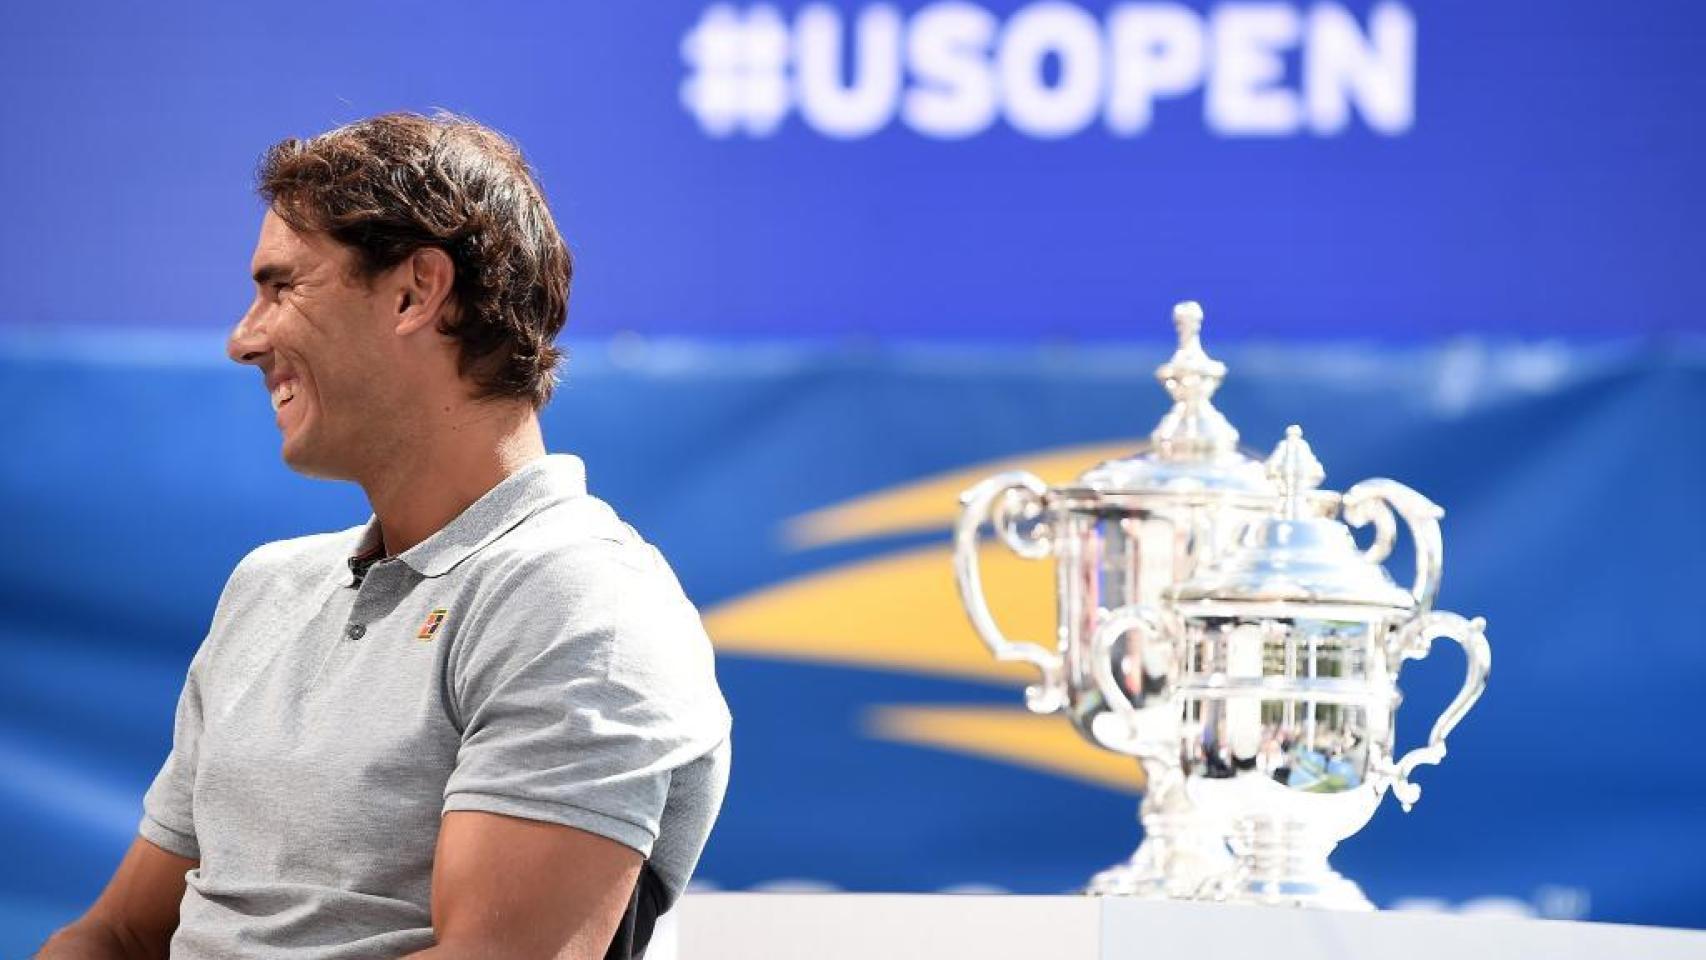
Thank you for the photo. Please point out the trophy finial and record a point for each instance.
(1193, 429)
(1190, 374)
(1187, 319)
(1295, 470)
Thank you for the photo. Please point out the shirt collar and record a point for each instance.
(539, 483)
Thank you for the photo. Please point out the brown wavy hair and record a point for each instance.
(392, 184)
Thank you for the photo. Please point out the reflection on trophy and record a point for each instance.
(1122, 534)
(1273, 671)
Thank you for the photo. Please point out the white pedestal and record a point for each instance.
(738, 926)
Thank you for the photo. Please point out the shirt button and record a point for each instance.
(354, 631)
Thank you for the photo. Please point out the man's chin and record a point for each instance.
(305, 463)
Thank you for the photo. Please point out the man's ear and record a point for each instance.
(425, 278)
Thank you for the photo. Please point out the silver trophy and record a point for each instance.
(1273, 675)
(1122, 534)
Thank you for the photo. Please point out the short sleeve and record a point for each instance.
(168, 808)
(585, 689)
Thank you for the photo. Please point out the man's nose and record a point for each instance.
(248, 341)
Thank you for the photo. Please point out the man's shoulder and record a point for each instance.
(268, 581)
(576, 543)
(297, 556)
(287, 568)
(586, 576)
(574, 592)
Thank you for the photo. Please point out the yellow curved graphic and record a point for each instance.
(1011, 735)
(901, 611)
(933, 503)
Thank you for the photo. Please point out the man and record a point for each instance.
(483, 724)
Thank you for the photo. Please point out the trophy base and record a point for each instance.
(1283, 866)
(1327, 890)
(1174, 862)
(1137, 877)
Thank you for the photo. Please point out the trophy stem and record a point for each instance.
(1180, 853)
(1284, 863)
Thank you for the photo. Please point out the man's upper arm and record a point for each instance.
(584, 690)
(506, 887)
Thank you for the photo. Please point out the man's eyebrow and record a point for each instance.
(269, 273)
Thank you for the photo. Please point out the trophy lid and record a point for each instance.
(1295, 556)
(1193, 448)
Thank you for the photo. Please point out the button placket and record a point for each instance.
(380, 592)
(372, 586)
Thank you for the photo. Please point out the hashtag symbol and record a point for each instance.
(737, 70)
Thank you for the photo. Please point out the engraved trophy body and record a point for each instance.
(1277, 669)
(1122, 534)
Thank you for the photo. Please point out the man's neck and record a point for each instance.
(462, 457)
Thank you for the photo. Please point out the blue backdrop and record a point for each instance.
(895, 759)
(1532, 168)
(837, 261)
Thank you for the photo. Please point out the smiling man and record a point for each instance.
(482, 724)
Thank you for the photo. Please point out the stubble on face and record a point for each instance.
(322, 329)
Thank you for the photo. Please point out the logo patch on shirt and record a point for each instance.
(434, 620)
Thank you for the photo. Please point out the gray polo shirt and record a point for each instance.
(534, 658)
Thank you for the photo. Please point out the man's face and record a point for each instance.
(318, 336)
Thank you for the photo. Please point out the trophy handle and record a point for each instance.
(1005, 500)
(1156, 673)
(1372, 501)
(1415, 641)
